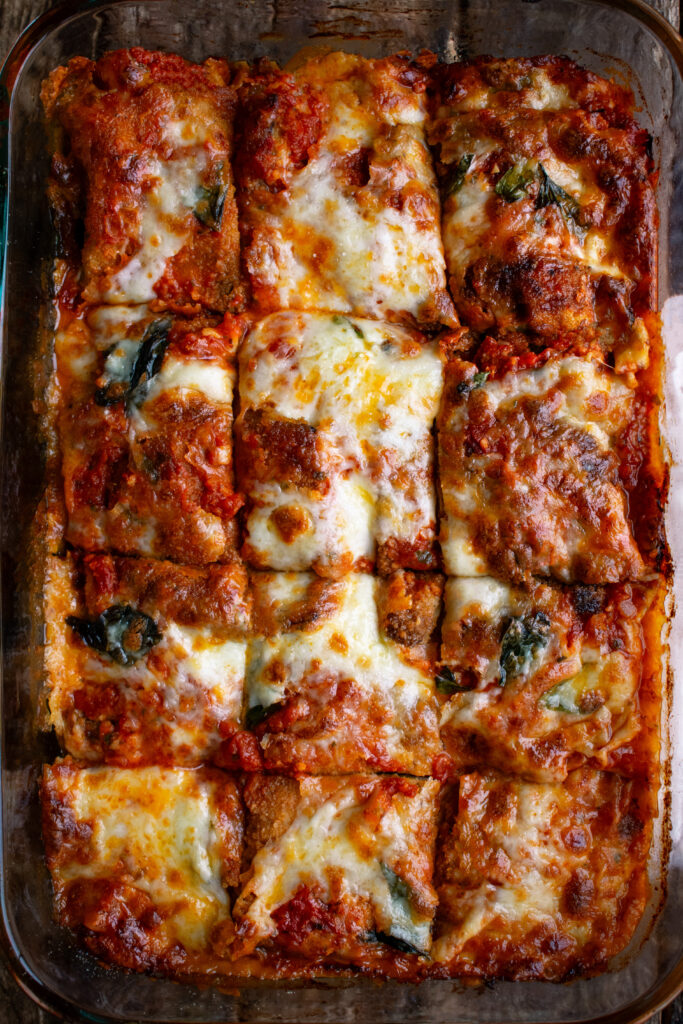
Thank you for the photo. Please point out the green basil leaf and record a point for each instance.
(523, 639)
(148, 361)
(258, 713)
(561, 698)
(394, 941)
(123, 633)
(447, 683)
(550, 192)
(130, 366)
(465, 387)
(513, 185)
(208, 208)
(456, 174)
(118, 367)
(403, 927)
(578, 695)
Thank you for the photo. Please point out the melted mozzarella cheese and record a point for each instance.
(347, 645)
(158, 825)
(193, 680)
(325, 249)
(533, 887)
(593, 402)
(373, 404)
(483, 598)
(330, 839)
(165, 224)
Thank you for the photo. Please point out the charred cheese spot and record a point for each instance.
(538, 226)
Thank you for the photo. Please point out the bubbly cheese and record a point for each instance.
(372, 395)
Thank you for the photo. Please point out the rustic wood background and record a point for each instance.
(15, 1007)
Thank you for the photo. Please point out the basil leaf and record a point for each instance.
(148, 361)
(550, 192)
(118, 367)
(208, 208)
(513, 185)
(393, 940)
(123, 633)
(523, 639)
(447, 683)
(258, 713)
(403, 927)
(465, 387)
(578, 695)
(130, 366)
(343, 321)
(455, 176)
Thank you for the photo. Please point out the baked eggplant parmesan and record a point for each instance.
(146, 660)
(331, 686)
(540, 880)
(145, 425)
(339, 208)
(354, 609)
(335, 451)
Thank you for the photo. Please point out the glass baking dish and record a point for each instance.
(623, 38)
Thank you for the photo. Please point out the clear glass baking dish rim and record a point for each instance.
(645, 1005)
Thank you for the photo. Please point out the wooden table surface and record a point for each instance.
(15, 1007)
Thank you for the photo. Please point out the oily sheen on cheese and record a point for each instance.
(148, 139)
(140, 860)
(352, 846)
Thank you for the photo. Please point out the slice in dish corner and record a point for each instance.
(540, 881)
(142, 147)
